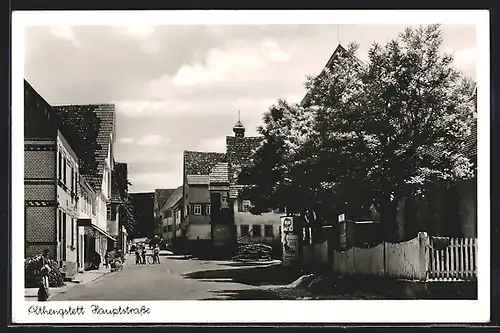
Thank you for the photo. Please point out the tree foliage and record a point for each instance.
(127, 210)
(368, 134)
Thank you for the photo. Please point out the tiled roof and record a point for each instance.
(239, 154)
(42, 121)
(173, 199)
(339, 50)
(115, 188)
(234, 191)
(470, 149)
(95, 123)
(197, 179)
(162, 195)
(219, 174)
(200, 163)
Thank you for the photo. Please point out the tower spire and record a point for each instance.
(239, 129)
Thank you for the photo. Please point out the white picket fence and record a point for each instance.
(456, 261)
(418, 259)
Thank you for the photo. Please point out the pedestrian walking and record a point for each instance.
(143, 254)
(107, 256)
(138, 260)
(44, 269)
(156, 254)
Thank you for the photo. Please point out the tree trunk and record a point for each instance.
(388, 219)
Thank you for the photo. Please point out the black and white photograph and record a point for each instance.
(300, 163)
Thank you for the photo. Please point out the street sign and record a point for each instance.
(341, 217)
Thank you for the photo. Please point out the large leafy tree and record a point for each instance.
(369, 134)
(127, 210)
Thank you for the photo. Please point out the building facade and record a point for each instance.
(170, 214)
(161, 197)
(95, 123)
(263, 228)
(51, 183)
(196, 225)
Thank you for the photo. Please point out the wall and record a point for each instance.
(39, 175)
(246, 218)
(67, 197)
(442, 212)
(199, 230)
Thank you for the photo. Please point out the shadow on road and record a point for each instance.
(256, 276)
(244, 294)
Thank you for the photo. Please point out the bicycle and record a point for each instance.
(149, 259)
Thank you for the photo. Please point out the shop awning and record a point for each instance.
(92, 229)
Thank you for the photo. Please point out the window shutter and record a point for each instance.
(240, 205)
(203, 209)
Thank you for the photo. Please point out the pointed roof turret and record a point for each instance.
(239, 129)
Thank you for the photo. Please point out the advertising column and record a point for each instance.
(290, 240)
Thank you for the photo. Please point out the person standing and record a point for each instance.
(44, 269)
(156, 254)
(143, 254)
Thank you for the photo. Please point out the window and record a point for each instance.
(208, 209)
(169, 228)
(197, 209)
(108, 213)
(72, 232)
(256, 230)
(72, 179)
(59, 165)
(246, 205)
(64, 171)
(168, 213)
(244, 230)
(268, 230)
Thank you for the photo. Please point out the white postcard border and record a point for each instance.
(458, 311)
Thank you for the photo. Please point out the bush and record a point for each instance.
(32, 273)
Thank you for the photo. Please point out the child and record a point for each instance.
(156, 254)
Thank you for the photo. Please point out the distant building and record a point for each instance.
(144, 209)
(120, 189)
(196, 197)
(161, 197)
(214, 210)
(51, 183)
(171, 213)
(265, 227)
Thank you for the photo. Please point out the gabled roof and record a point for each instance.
(219, 173)
(173, 199)
(239, 153)
(100, 128)
(162, 195)
(197, 179)
(339, 50)
(200, 163)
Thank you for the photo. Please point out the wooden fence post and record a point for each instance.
(424, 243)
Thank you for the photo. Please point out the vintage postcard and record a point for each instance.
(179, 164)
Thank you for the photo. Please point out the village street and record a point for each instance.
(176, 278)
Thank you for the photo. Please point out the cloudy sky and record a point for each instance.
(180, 87)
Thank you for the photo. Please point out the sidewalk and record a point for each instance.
(31, 294)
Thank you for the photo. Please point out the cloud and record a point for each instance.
(238, 64)
(152, 180)
(152, 140)
(465, 57)
(136, 31)
(126, 140)
(64, 32)
(213, 144)
(180, 108)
